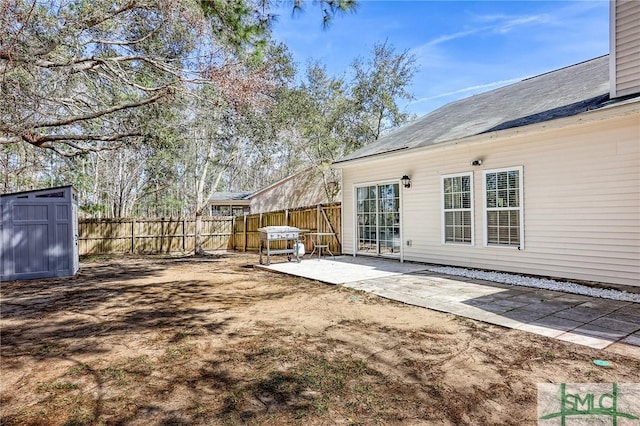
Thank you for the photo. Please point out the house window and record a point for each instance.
(457, 194)
(228, 210)
(503, 207)
(220, 210)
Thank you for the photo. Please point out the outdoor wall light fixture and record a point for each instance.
(476, 162)
(406, 181)
(333, 186)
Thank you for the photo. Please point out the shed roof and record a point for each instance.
(561, 93)
(33, 191)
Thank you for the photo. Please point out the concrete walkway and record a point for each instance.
(584, 320)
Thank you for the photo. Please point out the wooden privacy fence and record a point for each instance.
(103, 236)
(321, 218)
(151, 235)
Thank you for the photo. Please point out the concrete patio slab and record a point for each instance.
(548, 307)
(541, 330)
(631, 312)
(523, 315)
(578, 319)
(343, 269)
(581, 339)
(615, 324)
(633, 339)
(556, 323)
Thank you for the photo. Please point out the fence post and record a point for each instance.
(184, 234)
(245, 233)
(286, 217)
(133, 235)
(233, 232)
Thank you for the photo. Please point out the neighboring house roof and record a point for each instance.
(556, 94)
(308, 187)
(281, 181)
(226, 198)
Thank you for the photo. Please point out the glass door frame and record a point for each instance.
(379, 251)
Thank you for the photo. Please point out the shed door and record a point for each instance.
(74, 244)
(378, 219)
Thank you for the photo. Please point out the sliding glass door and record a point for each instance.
(378, 219)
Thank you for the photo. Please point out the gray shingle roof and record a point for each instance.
(228, 196)
(561, 93)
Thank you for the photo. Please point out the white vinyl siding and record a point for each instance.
(503, 207)
(625, 47)
(581, 200)
(457, 208)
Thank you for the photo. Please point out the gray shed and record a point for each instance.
(39, 234)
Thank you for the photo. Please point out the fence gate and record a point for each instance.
(320, 218)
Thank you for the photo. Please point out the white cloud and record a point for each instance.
(500, 24)
(509, 23)
(448, 37)
(476, 89)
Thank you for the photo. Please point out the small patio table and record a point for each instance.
(320, 242)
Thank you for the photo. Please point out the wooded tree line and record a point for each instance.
(148, 107)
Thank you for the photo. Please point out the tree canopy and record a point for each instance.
(84, 75)
(149, 106)
(81, 76)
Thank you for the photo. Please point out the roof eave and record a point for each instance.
(619, 109)
(38, 190)
(244, 202)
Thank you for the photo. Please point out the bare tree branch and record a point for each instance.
(76, 149)
(97, 114)
(67, 138)
(7, 140)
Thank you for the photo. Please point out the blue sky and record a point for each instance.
(462, 47)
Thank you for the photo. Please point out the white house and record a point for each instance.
(540, 177)
(230, 203)
(308, 187)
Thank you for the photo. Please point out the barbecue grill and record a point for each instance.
(290, 234)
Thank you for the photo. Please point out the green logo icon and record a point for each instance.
(583, 403)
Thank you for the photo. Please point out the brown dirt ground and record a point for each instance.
(179, 340)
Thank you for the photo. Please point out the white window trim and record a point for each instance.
(442, 211)
(520, 170)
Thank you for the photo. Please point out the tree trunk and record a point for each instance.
(198, 250)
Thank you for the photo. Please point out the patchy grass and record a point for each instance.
(175, 340)
(55, 386)
(180, 351)
(301, 384)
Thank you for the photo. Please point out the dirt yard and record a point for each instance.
(177, 341)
